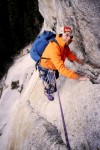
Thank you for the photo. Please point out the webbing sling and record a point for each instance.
(64, 125)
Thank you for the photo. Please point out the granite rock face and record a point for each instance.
(28, 120)
(83, 17)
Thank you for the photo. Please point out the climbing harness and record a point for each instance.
(48, 78)
(34, 87)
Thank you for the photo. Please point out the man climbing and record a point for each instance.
(55, 54)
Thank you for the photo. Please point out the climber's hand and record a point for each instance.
(83, 78)
(80, 61)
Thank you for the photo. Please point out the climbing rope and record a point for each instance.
(34, 87)
(25, 101)
(63, 122)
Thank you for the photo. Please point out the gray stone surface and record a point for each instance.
(82, 16)
(29, 121)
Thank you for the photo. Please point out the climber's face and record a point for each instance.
(67, 37)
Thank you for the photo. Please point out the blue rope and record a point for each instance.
(64, 125)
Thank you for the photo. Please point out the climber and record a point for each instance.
(56, 53)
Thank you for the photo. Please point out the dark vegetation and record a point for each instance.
(20, 22)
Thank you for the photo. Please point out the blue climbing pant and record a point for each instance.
(48, 77)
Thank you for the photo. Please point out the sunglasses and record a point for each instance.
(71, 36)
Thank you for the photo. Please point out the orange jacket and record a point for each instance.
(57, 56)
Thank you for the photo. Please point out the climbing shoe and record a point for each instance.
(50, 97)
